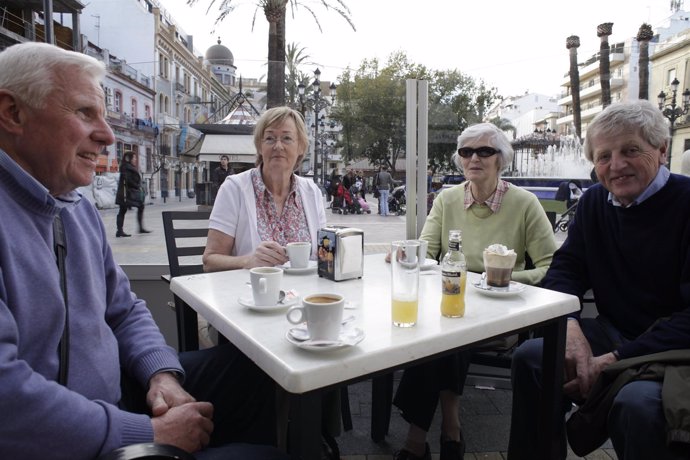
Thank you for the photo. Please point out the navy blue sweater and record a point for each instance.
(637, 262)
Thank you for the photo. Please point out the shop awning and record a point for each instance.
(238, 147)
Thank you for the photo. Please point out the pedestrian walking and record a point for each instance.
(130, 193)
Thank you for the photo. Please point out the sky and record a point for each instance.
(515, 46)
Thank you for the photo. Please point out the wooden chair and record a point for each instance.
(183, 229)
(148, 451)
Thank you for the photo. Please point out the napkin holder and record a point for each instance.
(341, 253)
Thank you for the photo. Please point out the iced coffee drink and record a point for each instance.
(498, 264)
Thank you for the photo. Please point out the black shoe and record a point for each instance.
(404, 454)
(143, 230)
(452, 450)
(121, 233)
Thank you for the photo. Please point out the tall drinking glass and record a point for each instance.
(405, 259)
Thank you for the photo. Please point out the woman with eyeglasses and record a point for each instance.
(487, 210)
(259, 211)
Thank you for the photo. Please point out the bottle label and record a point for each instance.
(453, 245)
(450, 282)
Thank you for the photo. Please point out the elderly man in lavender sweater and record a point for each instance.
(69, 405)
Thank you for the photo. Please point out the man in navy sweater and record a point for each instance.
(630, 244)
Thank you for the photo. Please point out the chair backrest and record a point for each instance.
(189, 225)
(185, 238)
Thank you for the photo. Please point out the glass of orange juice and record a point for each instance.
(406, 257)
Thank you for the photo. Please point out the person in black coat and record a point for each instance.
(220, 174)
(129, 193)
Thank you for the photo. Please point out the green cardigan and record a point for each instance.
(521, 224)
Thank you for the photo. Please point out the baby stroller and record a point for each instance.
(363, 205)
(570, 192)
(343, 202)
(397, 201)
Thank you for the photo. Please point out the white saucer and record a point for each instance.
(310, 268)
(248, 301)
(428, 264)
(349, 337)
(513, 288)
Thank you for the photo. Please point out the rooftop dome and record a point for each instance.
(219, 54)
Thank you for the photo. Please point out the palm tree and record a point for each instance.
(295, 58)
(572, 43)
(644, 35)
(603, 31)
(504, 125)
(275, 12)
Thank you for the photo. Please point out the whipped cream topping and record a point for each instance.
(499, 256)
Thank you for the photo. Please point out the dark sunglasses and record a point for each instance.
(482, 152)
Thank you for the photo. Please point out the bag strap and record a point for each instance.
(60, 246)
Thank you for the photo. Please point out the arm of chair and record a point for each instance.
(147, 451)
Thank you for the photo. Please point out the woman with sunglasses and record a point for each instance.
(487, 210)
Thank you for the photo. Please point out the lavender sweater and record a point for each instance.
(109, 327)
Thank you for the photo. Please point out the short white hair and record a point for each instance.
(497, 139)
(31, 70)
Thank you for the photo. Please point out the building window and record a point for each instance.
(149, 160)
(120, 150)
(671, 75)
(108, 98)
(117, 101)
(147, 112)
(135, 112)
(164, 67)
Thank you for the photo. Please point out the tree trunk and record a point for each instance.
(644, 35)
(572, 43)
(603, 32)
(275, 14)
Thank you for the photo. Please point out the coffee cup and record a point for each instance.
(323, 314)
(266, 283)
(298, 253)
(498, 265)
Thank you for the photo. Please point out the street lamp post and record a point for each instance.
(673, 112)
(317, 103)
(324, 140)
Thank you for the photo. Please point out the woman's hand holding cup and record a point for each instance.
(267, 254)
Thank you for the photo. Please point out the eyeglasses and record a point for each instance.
(482, 152)
(273, 140)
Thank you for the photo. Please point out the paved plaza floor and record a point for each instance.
(485, 409)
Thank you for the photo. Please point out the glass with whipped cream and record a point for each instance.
(498, 265)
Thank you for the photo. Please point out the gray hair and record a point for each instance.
(276, 116)
(31, 70)
(640, 116)
(497, 139)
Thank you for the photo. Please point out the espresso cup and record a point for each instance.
(298, 253)
(323, 314)
(266, 283)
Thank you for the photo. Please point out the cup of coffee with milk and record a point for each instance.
(323, 314)
(498, 265)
